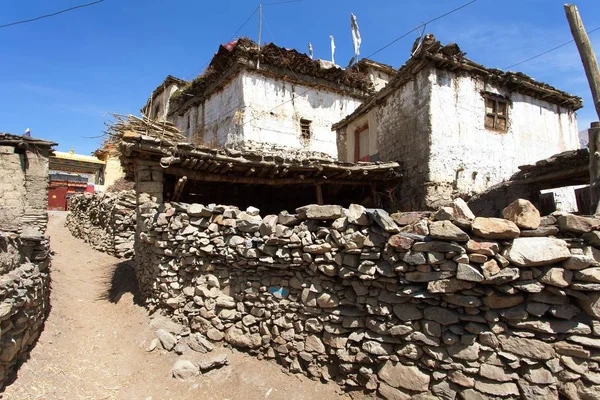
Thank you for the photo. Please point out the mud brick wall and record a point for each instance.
(411, 304)
(24, 297)
(105, 220)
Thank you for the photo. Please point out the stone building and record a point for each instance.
(24, 250)
(289, 100)
(457, 126)
(24, 184)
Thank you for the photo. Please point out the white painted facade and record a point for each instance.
(158, 106)
(253, 107)
(434, 123)
(473, 158)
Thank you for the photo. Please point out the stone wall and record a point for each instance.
(23, 188)
(444, 304)
(107, 221)
(24, 297)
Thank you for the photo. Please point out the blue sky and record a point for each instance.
(61, 76)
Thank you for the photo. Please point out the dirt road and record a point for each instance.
(94, 343)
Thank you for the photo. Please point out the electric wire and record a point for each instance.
(51, 15)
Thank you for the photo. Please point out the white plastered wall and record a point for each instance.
(472, 158)
(274, 108)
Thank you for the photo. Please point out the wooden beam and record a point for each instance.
(255, 180)
(588, 58)
(179, 188)
(594, 166)
(319, 193)
(574, 174)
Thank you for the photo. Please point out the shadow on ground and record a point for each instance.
(123, 280)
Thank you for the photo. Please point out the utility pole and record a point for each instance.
(259, 34)
(590, 64)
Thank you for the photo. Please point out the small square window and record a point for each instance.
(496, 112)
(305, 129)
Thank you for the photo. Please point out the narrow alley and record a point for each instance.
(95, 340)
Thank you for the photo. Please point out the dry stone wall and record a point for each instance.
(24, 297)
(414, 304)
(107, 221)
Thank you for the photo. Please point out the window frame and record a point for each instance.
(497, 100)
(357, 134)
(305, 130)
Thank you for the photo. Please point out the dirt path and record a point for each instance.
(94, 343)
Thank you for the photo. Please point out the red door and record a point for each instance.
(57, 198)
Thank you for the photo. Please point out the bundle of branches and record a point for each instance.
(163, 130)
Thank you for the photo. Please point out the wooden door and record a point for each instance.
(57, 198)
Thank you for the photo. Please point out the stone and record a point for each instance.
(576, 224)
(198, 210)
(268, 225)
(500, 301)
(446, 230)
(536, 251)
(495, 228)
(483, 247)
(327, 300)
(408, 312)
(198, 343)
(523, 213)
(468, 273)
(464, 352)
(377, 348)
(238, 338)
(357, 214)
(588, 275)
(497, 374)
(530, 348)
(461, 379)
(325, 212)
(400, 242)
(403, 376)
(314, 344)
(214, 362)
(461, 210)
(441, 315)
(556, 277)
(383, 219)
(586, 341)
(497, 389)
(389, 393)
(449, 285)
(578, 261)
(592, 238)
(167, 340)
(471, 394)
(184, 370)
(438, 246)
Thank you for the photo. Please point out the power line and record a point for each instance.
(547, 51)
(51, 15)
(422, 25)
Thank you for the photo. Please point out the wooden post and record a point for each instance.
(594, 147)
(588, 58)
(319, 191)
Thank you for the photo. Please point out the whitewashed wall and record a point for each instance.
(162, 100)
(472, 158)
(281, 126)
(214, 121)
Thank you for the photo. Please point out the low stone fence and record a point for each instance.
(444, 304)
(24, 297)
(105, 220)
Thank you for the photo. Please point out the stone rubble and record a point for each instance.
(106, 221)
(459, 307)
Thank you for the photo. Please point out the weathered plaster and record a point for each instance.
(281, 125)
(471, 158)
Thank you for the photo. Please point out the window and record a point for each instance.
(156, 111)
(361, 143)
(496, 112)
(305, 129)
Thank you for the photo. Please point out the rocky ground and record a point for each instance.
(95, 343)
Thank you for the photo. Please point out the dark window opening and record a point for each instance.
(156, 111)
(496, 113)
(305, 129)
(189, 122)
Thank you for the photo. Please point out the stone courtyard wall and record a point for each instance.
(24, 297)
(106, 221)
(412, 304)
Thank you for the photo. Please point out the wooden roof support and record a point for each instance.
(255, 180)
